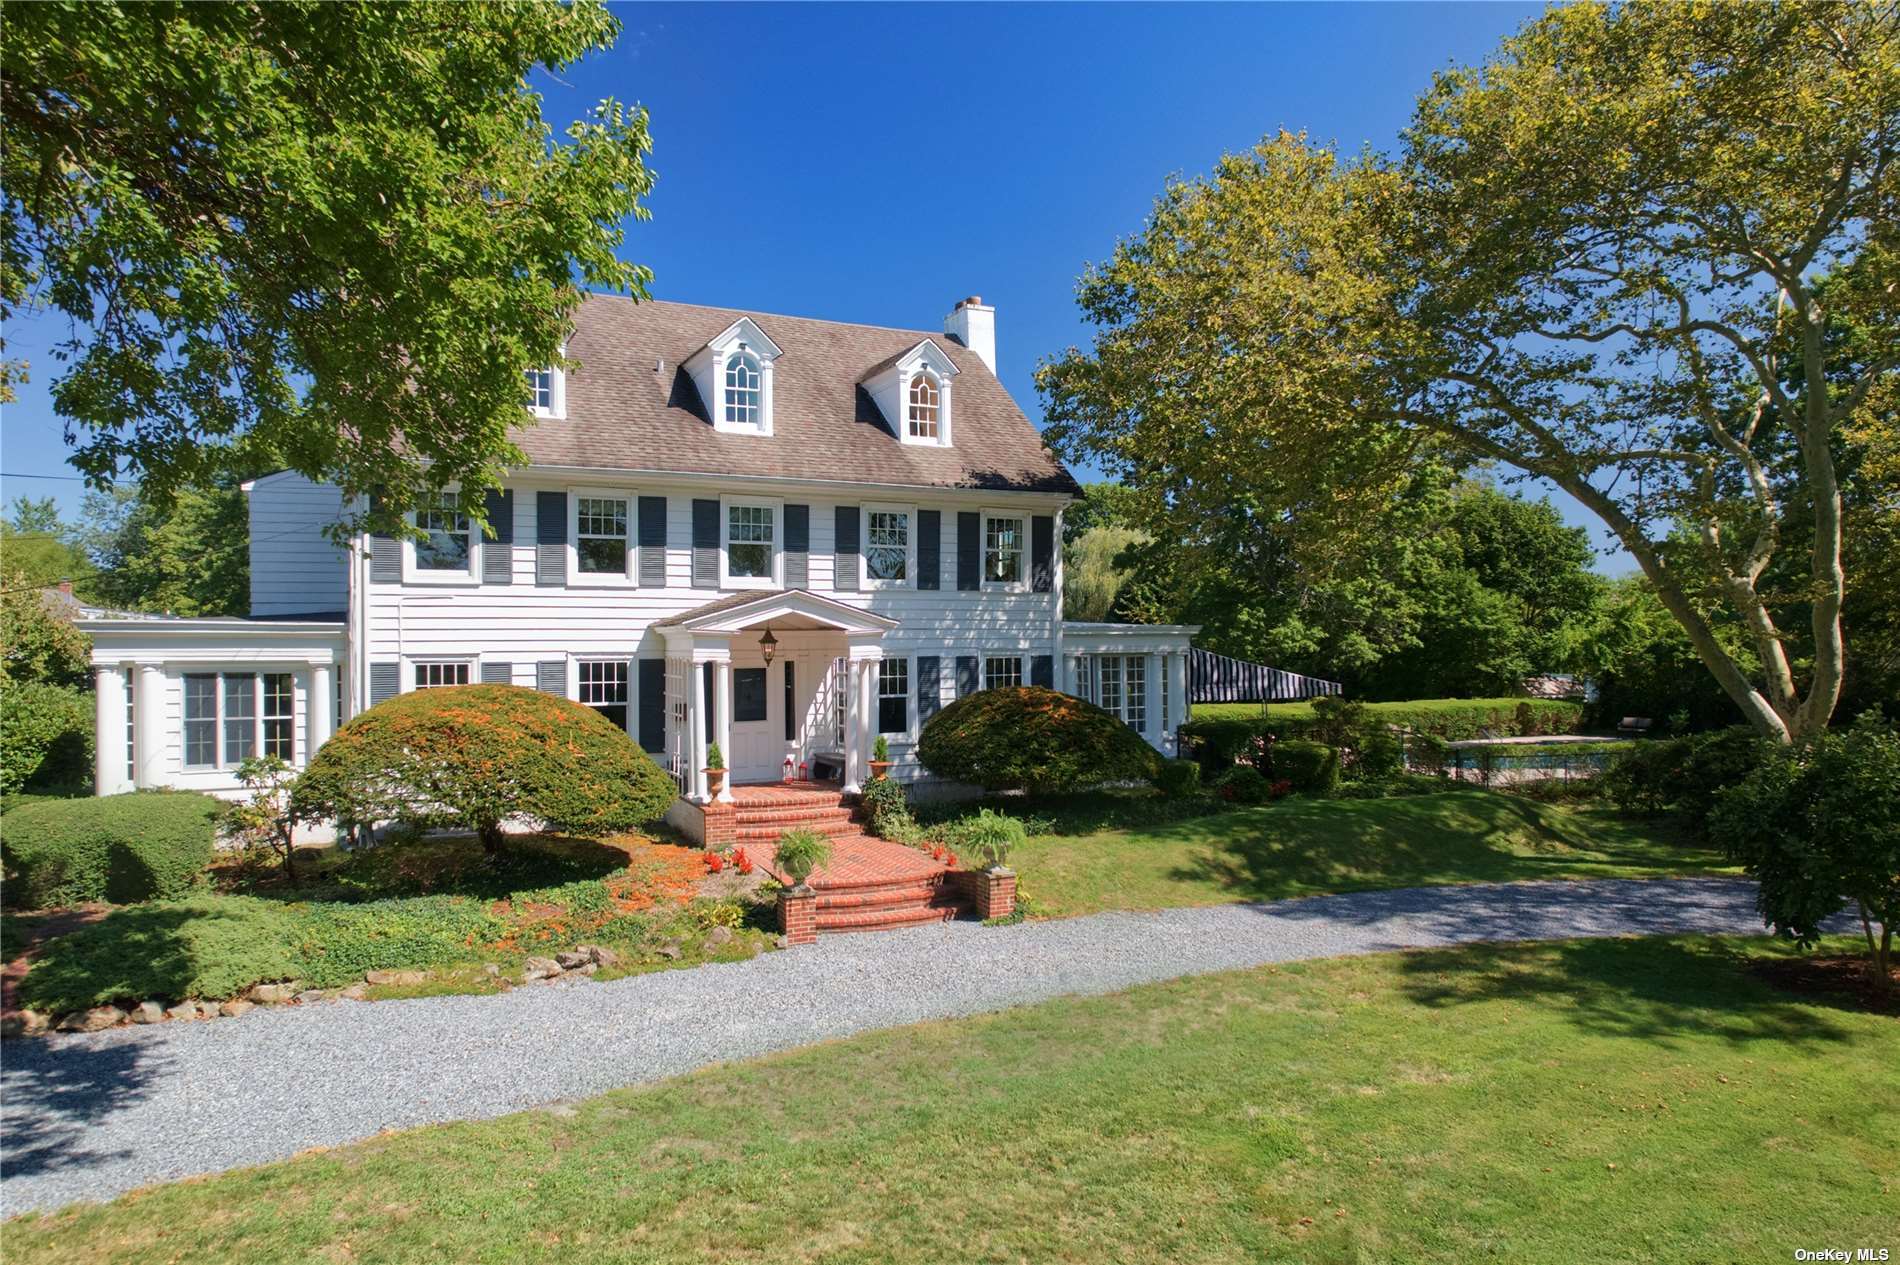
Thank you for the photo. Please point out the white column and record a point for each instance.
(149, 742)
(696, 731)
(1151, 682)
(867, 713)
(109, 753)
(1179, 676)
(318, 708)
(853, 730)
(722, 722)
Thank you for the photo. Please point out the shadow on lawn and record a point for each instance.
(1651, 990)
(1306, 845)
(56, 1088)
(439, 866)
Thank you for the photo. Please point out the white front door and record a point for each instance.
(758, 725)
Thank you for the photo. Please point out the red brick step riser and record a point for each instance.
(916, 894)
(884, 919)
(770, 834)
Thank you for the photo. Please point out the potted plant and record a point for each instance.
(880, 757)
(715, 770)
(992, 837)
(800, 852)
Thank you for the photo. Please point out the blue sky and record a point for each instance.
(875, 163)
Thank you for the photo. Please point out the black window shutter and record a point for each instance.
(550, 676)
(384, 680)
(705, 544)
(929, 549)
(498, 553)
(844, 574)
(969, 550)
(966, 675)
(385, 560)
(652, 539)
(706, 680)
(1042, 671)
(1042, 553)
(929, 686)
(653, 705)
(797, 550)
(497, 672)
(550, 538)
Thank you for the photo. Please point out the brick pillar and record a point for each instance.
(798, 914)
(995, 893)
(722, 825)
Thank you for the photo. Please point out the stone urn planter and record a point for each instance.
(715, 781)
(881, 768)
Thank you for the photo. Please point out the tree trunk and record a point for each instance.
(491, 836)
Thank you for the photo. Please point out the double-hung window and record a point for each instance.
(887, 545)
(751, 542)
(893, 696)
(1002, 671)
(603, 687)
(444, 544)
(231, 716)
(541, 390)
(1002, 549)
(601, 544)
(435, 674)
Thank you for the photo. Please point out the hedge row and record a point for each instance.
(145, 845)
(45, 737)
(1223, 732)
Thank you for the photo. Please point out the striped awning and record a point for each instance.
(1216, 678)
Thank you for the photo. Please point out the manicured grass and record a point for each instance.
(1302, 847)
(1505, 707)
(1599, 1101)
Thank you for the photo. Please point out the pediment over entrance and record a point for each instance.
(784, 608)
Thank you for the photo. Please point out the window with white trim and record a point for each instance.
(887, 545)
(922, 415)
(1121, 685)
(231, 716)
(1002, 549)
(131, 728)
(751, 534)
(1002, 671)
(541, 390)
(601, 542)
(444, 543)
(744, 394)
(435, 674)
(893, 696)
(603, 687)
(840, 697)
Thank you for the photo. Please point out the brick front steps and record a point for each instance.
(870, 884)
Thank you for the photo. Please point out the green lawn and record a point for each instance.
(1302, 847)
(1600, 1101)
(1304, 711)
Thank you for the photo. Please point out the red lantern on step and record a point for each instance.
(788, 770)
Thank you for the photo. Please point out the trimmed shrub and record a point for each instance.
(1220, 735)
(1818, 827)
(1309, 766)
(145, 845)
(1715, 762)
(1381, 755)
(1033, 739)
(1427, 753)
(474, 756)
(1243, 784)
(885, 803)
(45, 737)
(1178, 779)
(1644, 779)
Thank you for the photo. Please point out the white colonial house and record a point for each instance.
(784, 535)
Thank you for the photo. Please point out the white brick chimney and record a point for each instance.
(974, 325)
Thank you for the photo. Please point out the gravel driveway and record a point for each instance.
(88, 1117)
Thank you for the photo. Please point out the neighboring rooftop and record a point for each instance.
(630, 406)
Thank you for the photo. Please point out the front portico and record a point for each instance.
(786, 675)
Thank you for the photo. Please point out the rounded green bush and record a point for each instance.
(45, 737)
(146, 845)
(1242, 784)
(1309, 766)
(1178, 779)
(475, 756)
(1033, 739)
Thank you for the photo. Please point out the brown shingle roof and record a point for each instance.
(623, 415)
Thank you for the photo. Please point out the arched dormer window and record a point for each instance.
(743, 407)
(922, 416)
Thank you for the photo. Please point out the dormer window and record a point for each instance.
(925, 399)
(733, 373)
(547, 392)
(914, 392)
(744, 407)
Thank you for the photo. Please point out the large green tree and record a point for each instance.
(188, 554)
(1594, 260)
(335, 233)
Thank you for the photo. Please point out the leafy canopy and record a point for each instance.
(1596, 260)
(333, 233)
